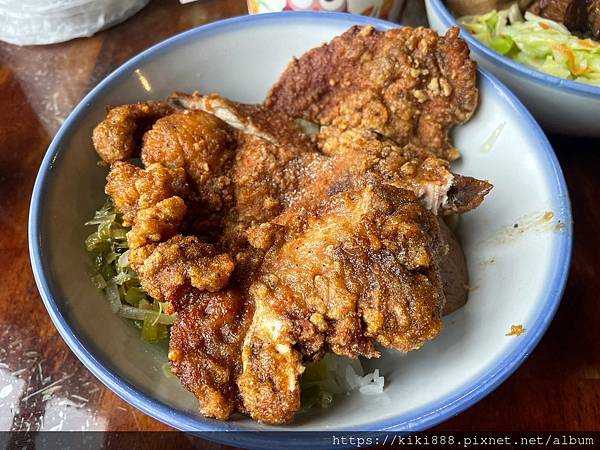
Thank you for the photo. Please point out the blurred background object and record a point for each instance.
(32, 22)
(472, 7)
(384, 9)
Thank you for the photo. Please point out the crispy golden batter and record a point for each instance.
(410, 85)
(202, 145)
(204, 349)
(180, 264)
(268, 177)
(116, 138)
(133, 188)
(361, 269)
(357, 152)
(157, 223)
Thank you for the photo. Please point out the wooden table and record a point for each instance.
(558, 388)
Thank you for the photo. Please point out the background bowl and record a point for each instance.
(561, 106)
(517, 275)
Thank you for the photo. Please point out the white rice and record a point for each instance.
(372, 383)
(349, 376)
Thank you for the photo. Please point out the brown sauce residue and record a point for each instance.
(548, 216)
(516, 330)
(543, 221)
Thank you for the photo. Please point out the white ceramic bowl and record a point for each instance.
(518, 278)
(561, 106)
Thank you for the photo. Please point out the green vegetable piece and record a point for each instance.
(94, 243)
(152, 331)
(134, 295)
(502, 44)
(121, 285)
(112, 294)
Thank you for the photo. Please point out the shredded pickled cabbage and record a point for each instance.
(537, 42)
(121, 285)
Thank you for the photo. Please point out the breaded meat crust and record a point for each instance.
(116, 138)
(409, 85)
(359, 269)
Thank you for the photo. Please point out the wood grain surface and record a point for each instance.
(558, 387)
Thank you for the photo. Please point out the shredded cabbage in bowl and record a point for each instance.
(537, 42)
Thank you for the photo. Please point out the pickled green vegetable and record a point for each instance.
(121, 285)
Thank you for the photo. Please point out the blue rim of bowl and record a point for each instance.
(423, 418)
(512, 66)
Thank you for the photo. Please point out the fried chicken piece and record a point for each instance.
(202, 145)
(272, 157)
(362, 268)
(133, 188)
(151, 202)
(204, 349)
(116, 138)
(410, 85)
(207, 336)
(181, 263)
(304, 243)
(358, 152)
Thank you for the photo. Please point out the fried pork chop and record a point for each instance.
(275, 246)
(359, 269)
(410, 85)
(313, 171)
